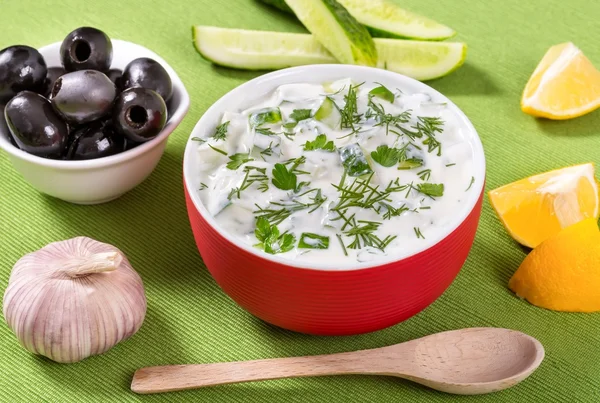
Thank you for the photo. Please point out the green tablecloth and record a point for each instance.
(190, 320)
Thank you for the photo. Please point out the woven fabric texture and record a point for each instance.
(189, 318)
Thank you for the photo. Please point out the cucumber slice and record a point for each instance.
(266, 115)
(280, 4)
(264, 50)
(337, 30)
(385, 19)
(258, 50)
(354, 160)
(329, 114)
(421, 60)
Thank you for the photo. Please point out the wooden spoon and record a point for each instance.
(465, 362)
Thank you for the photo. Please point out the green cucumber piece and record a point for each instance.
(337, 30)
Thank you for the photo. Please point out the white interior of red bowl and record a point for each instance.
(242, 97)
(123, 53)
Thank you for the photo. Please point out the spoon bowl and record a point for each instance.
(465, 362)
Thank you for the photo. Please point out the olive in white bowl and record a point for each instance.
(93, 181)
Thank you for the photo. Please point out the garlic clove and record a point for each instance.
(74, 299)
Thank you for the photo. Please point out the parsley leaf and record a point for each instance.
(221, 131)
(284, 178)
(383, 93)
(270, 239)
(286, 244)
(301, 114)
(431, 189)
(313, 241)
(386, 156)
(319, 143)
(263, 229)
(237, 160)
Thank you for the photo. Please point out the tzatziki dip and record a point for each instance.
(336, 172)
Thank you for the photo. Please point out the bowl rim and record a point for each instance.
(302, 74)
(172, 123)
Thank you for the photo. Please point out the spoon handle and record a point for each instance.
(181, 377)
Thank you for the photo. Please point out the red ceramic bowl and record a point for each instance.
(323, 299)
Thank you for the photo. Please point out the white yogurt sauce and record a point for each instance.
(308, 213)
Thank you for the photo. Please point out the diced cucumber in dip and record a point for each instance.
(338, 172)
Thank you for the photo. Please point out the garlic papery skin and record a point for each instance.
(74, 299)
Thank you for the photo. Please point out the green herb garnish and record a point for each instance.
(386, 156)
(253, 175)
(199, 140)
(218, 150)
(383, 93)
(427, 127)
(221, 131)
(425, 174)
(266, 115)
(418, 233)
(431, 189)
(284, 209)
(203, 186)
(319, 143)
(339, 237)
(393, 212)
(237, 160)
(265, 132)
(471, 184)
(387, 120)
(313, 241)
(270, 239)
(267, 151)
(349, 113)
(284, 178)
(450, 165)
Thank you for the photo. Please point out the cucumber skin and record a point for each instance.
(375, 33)
(354, 29)
(280, 4)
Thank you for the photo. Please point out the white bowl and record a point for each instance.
(104, 179)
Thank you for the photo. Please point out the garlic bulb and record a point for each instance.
(73, 299)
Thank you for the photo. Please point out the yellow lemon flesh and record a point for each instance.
(563, 273)
(563, 86)
(536, 208)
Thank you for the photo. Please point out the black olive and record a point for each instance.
(83, 96)
(35, 126)
(96, 140)
(130, 145)
(139, 114)
(115, 76)
(147, 73)
(51, 77)
(22, 68)
(4, 131)
(86, 49)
